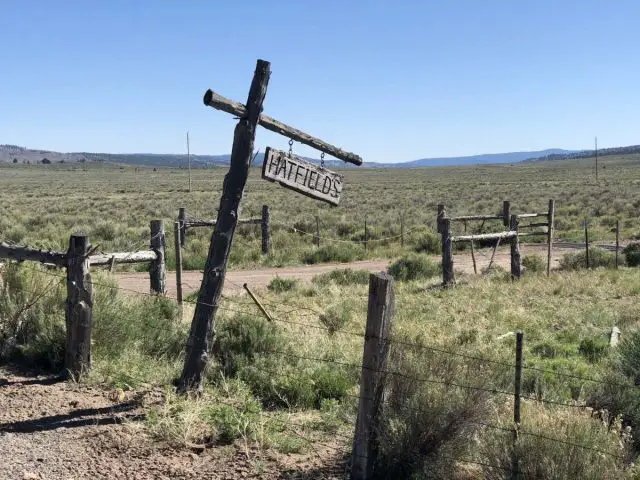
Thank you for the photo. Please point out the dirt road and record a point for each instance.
(260, 278)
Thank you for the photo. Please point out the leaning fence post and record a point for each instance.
(550, 220)
(182, 218)
(515, 461)
(516, 260)
(586, 242)
(176, 234)
(78, 308)
(380, 314)
(157, 268)
(617, 240)
(265, 227)
(447, 253)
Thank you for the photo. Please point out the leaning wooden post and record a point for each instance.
(617, 240)
(506, 212)
(176, 234)
(78, 308)
(157, 268)
(516, 260)
(473, 259)
(265, 227)
(586, 243)
(447, 253)
(182, 218)
(380, 314)
(202, 331)
(550, 220)
(515, 461)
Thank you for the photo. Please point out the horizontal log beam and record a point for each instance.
(532, 234)
(219, 102)
(485, 236)
(21, 254)
(533, 215)
(212, 223)
(123, 257)
(477, 217)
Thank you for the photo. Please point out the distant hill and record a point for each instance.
(9, 153)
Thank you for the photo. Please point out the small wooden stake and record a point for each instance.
(402, 229)
(317, 239)
(586, 243)
(366, 234)
(448, 277)
(157, 268)
(176, 234)
(182, 218)
(112, 264)
(617, 241)
(265, 227)
(516, 260)
(380, 315)
(506, 212)
(550, 221)
(473, 259)
(78, 308)
(515, 461)
(257, 302)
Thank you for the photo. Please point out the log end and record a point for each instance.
(208, 95)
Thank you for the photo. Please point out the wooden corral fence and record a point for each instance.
(513, 234)
(77, 261)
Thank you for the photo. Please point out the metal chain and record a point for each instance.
(322, 160)
(290, 147)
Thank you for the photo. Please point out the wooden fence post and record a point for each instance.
(78, 308)
(447, 253)
(380, 314)
(586, 243)
(550, 220)
(402, 229)
(157, 268)
(506, 212)
(617, 240)
(182, 218)
(265, 226)
(366, 234)
(176, 234)
(516, 260)
(515, 461)
(473, 259)
(441, 215)
(317, 239)
(202, 331)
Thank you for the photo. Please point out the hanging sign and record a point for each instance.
(302, 176)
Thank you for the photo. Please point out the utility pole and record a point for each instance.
(596, 159)
(189, 160)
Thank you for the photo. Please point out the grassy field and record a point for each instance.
(291, 386)
(42, 205)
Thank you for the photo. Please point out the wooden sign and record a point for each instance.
(302, 176)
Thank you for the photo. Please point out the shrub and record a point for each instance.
(414, 267)
(597, 258)
(593, 350)
(534, 264)
(335, 318)
(632, 254)
(343, 277)
(331, 253)
(428, 242)
(281, 285)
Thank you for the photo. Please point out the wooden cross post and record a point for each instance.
(202, 331)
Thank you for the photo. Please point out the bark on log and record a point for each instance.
(157, 268)
(516, 260)
(485, 236)
(21, 254)
(219, 102)
(533, 215)
(123, 258)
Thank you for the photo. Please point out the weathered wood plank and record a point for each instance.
(123, 258)
(237, 109)
(302, 176)
(476, 217)
(20, 254)
(533, 215)
(486, 236)
(194, 223)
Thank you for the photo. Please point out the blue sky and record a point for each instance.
(390, 80)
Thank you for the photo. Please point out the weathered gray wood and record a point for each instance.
(301, 176)
(195, 223)
(617, 241)
(506, 212)
(178, 248)
(614, 337)
(550, 221)
(533, 234)
(78, 308)
(440, 216)
(182, 218)
(258, 303)
(122, 258)
(157, 267)
(473, 258)
(467, 218)
(219, 102)
(516, 260)
(203, 324)
(380, 313)
(484, 236)
(533, 215)
(20, 254)
(448, 277)
(265, 228)
(112, 264)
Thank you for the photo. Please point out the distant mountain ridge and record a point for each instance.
(17, 154)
